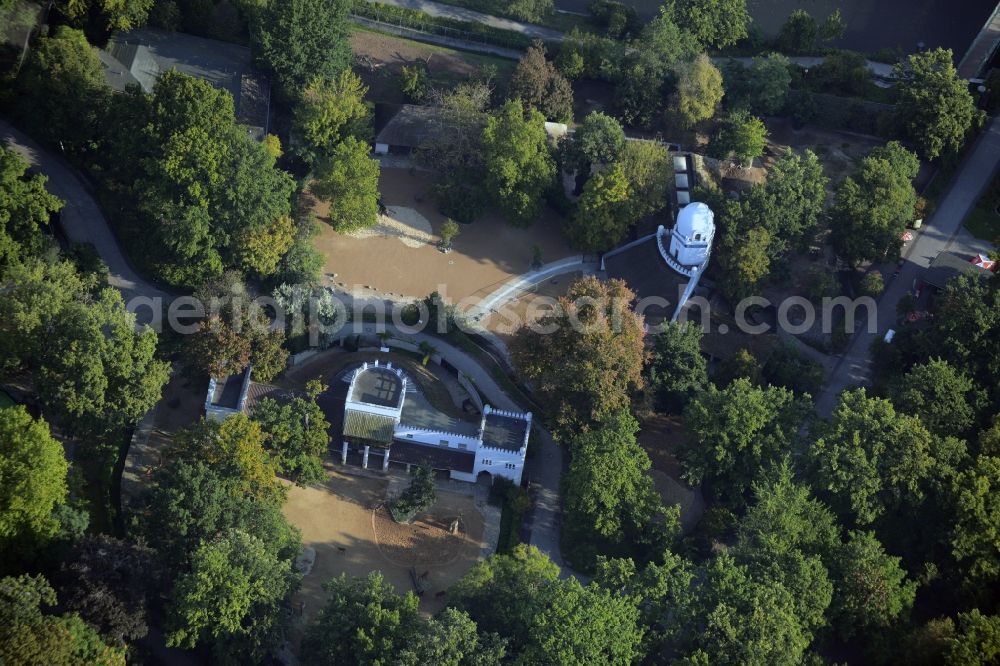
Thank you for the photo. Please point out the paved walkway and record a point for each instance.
(463, 14)
(981, 48)
(82, 219)
(938, 234)
(516, 286)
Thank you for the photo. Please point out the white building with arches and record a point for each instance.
(387, 418)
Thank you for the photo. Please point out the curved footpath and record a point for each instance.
(82, 219)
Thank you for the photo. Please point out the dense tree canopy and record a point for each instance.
(945, 399)
(585, 358)
(762, 87)
(95, 372)
(602, 215)
(296, 434)
(741, 136)
(112, 14)
(699, 90)
(348, 179)
(599, 140)
(25, 207)
(298, 40)
(330, 111)
(611, 504)
(236, 589)
(30, 636)
(736, 431)
(110, 583)
(32, 477)
(874, 205)
(975, 539)
(871, 459)
(935, 107)
(519, 163)
(872, 592)
(716, 23)
(61, 89)
(676, 369)
(539, 85)
(548, 620)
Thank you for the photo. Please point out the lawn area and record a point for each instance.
(983, 221)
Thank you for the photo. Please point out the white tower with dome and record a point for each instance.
(691, 238)
(690, 245)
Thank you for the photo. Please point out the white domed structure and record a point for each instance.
(691, 238)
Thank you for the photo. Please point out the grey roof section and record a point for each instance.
(229, 390)
(947, 266)
(438, 457)
(220, 63)
(139, 56)
(419, 413)
(504, 432)
(413, 126)
(378, 386)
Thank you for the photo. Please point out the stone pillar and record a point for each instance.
(364, 460)
(385, 461)
(343, 454)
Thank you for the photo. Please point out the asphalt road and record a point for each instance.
(937, 235)
(83, 220)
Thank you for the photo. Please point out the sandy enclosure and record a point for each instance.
(353, 534)
(400, 259)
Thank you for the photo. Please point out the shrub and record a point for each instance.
(872, 284)
(418, 497)
(414, 83)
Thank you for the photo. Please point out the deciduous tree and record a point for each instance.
(539, 85)
(519, 164)
(330, 111)
(233, 597)
(872, 591)
(874, 206)
(588, 361)
(25, 208)
(298, 40)
(348, 179)
(699, 90)
(716, 23)
(676, 369)
(599, 140)
(29, 636)
(741, 136)
(296, 433)
(762, 87)
(601, 218)
(945, 399)
(33, 473)
(871, 459)
(737, 431)
(935, 106)
(975, 541)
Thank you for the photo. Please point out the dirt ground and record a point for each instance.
(352, 535)
(527, 306)
(839, 152)
(380, 58)
(486, 253)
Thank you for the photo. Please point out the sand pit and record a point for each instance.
(343, 520)
(405, 224)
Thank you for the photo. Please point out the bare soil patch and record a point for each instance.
(485, 254)
(344, 522)
(659, 435)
